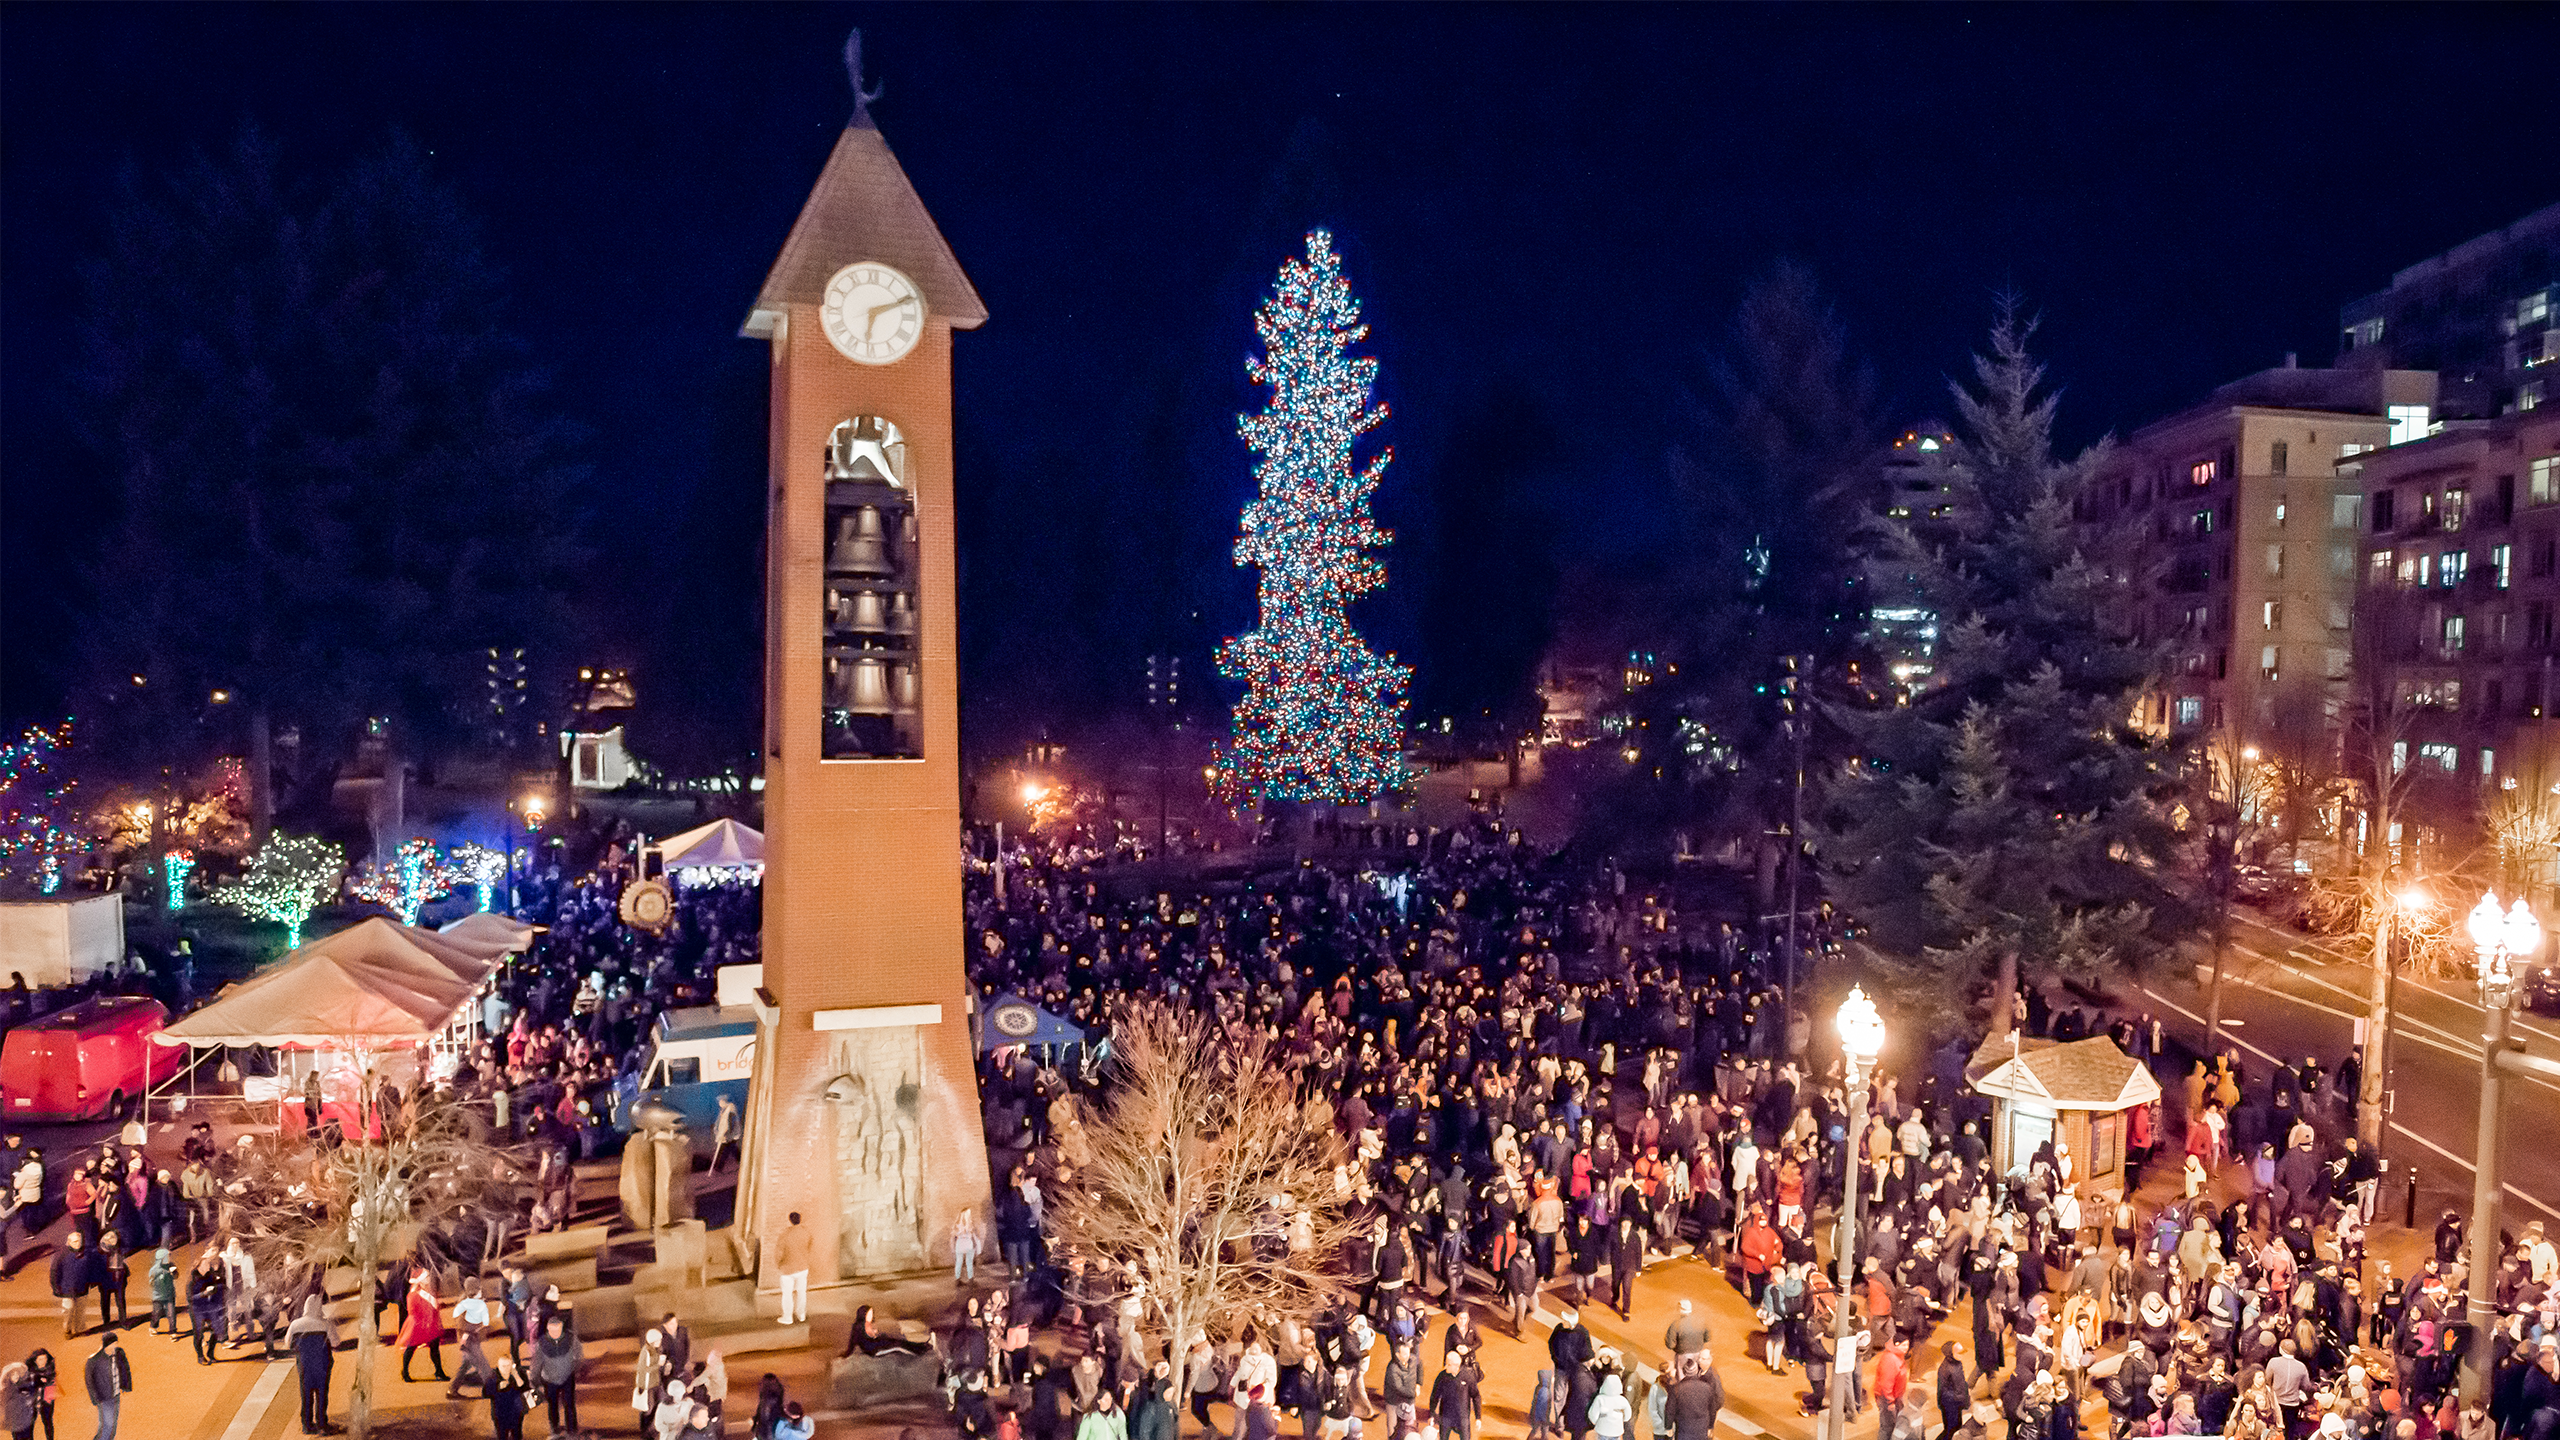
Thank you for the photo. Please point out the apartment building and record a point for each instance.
(2484, 315)
(2462, 542)
(2244, 531)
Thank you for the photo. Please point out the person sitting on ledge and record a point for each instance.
(866, 1339)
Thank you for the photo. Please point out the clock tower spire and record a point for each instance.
(864, 1112)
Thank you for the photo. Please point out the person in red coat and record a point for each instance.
(425, 1325)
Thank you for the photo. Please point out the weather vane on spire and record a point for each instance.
(853, 71)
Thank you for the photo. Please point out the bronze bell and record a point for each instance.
(864, 613)
(862, 545)
(902, 613)
(870, 694)
(909, 693)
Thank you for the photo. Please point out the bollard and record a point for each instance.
(2409, 1211)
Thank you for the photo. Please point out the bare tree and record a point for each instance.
(1208, 1177)
(421, 1178)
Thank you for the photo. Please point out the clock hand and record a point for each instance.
(873, 314)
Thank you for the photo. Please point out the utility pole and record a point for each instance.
(1794, 723)
(1164, 699)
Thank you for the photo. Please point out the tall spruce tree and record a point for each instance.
(1322, 716)
(2009, 824)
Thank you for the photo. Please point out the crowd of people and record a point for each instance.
(1550, 1080)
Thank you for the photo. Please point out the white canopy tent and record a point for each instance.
(377, 985)
(489, 934)
(719, 850)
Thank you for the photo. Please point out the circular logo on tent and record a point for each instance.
(648, 905)
(1016, 1021)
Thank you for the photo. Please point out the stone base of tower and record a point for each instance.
(872, 1135)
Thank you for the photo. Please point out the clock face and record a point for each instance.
(873, 314)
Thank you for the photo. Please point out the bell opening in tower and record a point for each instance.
(872, 688)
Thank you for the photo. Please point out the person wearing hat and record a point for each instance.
(109, 1374)
(1955, 1393)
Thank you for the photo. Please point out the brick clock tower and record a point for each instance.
(864, 1116)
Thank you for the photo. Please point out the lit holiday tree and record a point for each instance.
(38, 835)
(289, 877)
(416, 875)
(482, 868)
(1322, 717)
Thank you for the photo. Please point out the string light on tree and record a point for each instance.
(37, 836)
(174, 871)
(1322, 716)
(416, 876)
(289, 877)
(482, 868)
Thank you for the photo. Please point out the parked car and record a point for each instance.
(2541, 991)
(94, 1059)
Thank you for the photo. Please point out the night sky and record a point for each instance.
(1557, 203)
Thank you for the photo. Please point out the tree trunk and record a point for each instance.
(2377, 1031)
(262, 774)
(2377, 1024)
(2004, 994)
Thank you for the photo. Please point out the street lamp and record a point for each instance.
(1861, 1041)
(2502, 938)
(530, 807)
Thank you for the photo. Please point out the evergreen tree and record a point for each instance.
(2009, 821)
(334, 479)
(1770, 492)
(1322, 716)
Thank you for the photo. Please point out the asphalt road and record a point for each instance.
(2288, 995)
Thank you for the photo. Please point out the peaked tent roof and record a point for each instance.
(863, 208)
(378, 983)
(722, 842)
(2089, 1074)
(488, 934)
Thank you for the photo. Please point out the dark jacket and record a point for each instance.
(1693, 1405)
(1153, 1417)
(109, 1375)
(74, 1272)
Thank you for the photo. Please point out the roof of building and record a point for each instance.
(863, 208)
(2089, 1074)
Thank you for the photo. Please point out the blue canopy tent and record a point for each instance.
(1012, 1020)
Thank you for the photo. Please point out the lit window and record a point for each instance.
(2447, 758)
(2201, 523)
(2190, 710)
(2346, 512)
(2279, 514)
(2453, 634)
(2399, 760)
(2529, 395)
(2381, 567)
(2273, 614)
(2204, 472)
(2533, 309)
(2544, 487)
(2275, 562)
(2267, 661)
(2455, 565)
(2488, 762)
(2502, 558)
(2456, 501)
(2408, 422)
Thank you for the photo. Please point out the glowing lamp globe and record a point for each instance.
(2523, 932)
(2486, 923)
(1861, 1028)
